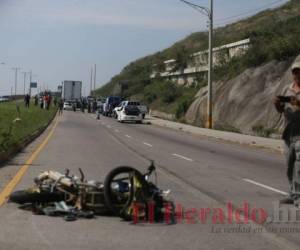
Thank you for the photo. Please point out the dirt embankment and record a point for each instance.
(244, 103)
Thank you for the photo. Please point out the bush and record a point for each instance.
(182, 108)
(169, 92)
(150, 97)
(260, 130)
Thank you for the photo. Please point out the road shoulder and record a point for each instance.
(274, 145)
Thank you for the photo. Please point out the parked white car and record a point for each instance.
(128, 113)
(68, 105)
(143, 109)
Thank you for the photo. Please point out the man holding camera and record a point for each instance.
(289, 105)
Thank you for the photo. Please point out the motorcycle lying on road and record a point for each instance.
(126, 193)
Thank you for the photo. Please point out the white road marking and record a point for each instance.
(183, 157)
(265, 186)
(148, 144)
(128, 136)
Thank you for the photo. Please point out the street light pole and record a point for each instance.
(16, 78)
(210, 70)
(209, 13)
(95, 75)
(30, 76)
(24, 74)
(91, 83)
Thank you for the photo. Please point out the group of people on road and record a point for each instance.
(44, 100)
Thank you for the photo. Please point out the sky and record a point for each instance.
(62, 39)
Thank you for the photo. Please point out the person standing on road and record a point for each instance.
(27, 100)
(42, 102)
(89, 107)
(45, 97)
(49, 99)
(60, 107)
(55, 101)
(94, 106)
(290, 108)
(36, 100)
(82, 106)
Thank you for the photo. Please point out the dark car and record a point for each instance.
(110, 103)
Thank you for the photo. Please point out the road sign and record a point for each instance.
(33, 85)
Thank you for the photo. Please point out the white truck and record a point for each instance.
(71, 90)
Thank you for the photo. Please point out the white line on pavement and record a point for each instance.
(183, 157)
(148, 144)
(265, 186)
(128, 136)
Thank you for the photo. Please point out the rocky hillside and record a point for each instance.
(243, 104)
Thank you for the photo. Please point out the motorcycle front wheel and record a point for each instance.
(123, 188)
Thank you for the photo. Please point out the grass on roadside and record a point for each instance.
(12, 131)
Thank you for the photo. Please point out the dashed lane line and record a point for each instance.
(265, 186)
(148, 144)
(183, 157)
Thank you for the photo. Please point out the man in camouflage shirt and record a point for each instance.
(291, 135)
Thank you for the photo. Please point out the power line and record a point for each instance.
(249, 12)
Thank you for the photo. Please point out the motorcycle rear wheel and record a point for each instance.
(25, 196)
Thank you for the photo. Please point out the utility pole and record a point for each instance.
(30, 76)
(24, 74)
(16, 78)
(209, 13)
(210, 70)
(91, 82)
(95, 75)
(30, 80)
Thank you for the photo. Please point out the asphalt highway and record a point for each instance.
(202, 173)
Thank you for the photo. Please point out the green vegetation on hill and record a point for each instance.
(274, 35)
(14, 131)
(169, 97)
